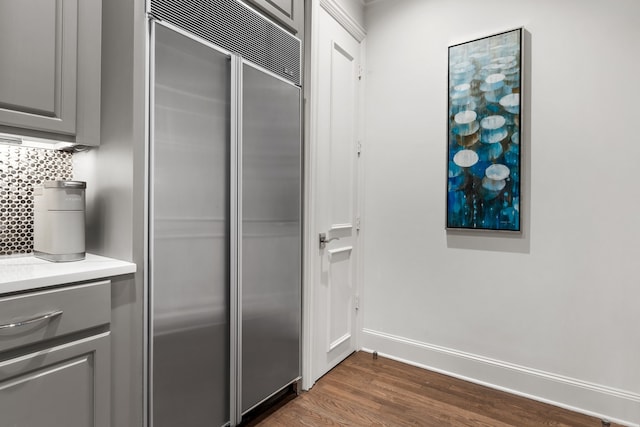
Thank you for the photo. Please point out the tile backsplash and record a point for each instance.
(22, 168)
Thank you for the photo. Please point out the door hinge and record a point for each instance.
(359, 148)
(357, 302)
(357, 223)
(359, 72)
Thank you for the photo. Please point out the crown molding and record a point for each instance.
(344, 19)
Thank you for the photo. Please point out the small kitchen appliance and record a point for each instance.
(59, 221)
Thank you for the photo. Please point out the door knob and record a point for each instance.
(322, 237)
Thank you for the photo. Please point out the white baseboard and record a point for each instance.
(599, 401)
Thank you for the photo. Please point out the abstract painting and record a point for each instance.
(483, 154)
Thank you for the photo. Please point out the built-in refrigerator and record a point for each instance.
(224, 231)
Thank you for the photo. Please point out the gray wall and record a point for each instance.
(115, 196)
(552, 313)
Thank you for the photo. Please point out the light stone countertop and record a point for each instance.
(23, 273)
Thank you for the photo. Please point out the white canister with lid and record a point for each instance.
(59, 221)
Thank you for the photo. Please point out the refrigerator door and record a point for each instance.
(189, 242)
(270, 291)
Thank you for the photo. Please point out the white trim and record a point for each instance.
(333, 252)
(309, 262)
(361, 188)
(341, 227)
(344, 19)
(336, 343)
(619, 406)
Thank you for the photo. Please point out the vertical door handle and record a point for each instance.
(322, 237)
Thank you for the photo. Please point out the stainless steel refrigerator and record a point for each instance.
(225, 231)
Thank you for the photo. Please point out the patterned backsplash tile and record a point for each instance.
(22, 168)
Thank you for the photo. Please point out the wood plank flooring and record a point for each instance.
(362, 391)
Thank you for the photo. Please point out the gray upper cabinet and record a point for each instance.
(50, 69)
(289, 13)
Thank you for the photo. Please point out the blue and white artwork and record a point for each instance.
(483, 172)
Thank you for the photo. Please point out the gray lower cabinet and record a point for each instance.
(55, 357)
(50, 69)
(64, 386)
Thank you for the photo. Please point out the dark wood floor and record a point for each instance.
(362, 391)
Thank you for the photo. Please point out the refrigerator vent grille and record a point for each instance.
(238, 29)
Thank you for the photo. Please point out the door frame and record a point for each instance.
(310, 233)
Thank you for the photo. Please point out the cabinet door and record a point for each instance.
(64, 386)
(38, 47)
(288, 12)
(271, 241)
(190, 232)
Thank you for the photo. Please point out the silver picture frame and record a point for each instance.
(484, 122)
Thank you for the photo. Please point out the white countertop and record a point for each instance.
(28, 272)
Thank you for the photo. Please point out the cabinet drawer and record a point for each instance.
(32, 317)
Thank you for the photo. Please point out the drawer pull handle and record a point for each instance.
(36, 319)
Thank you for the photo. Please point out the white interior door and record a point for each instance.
(335, 195)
